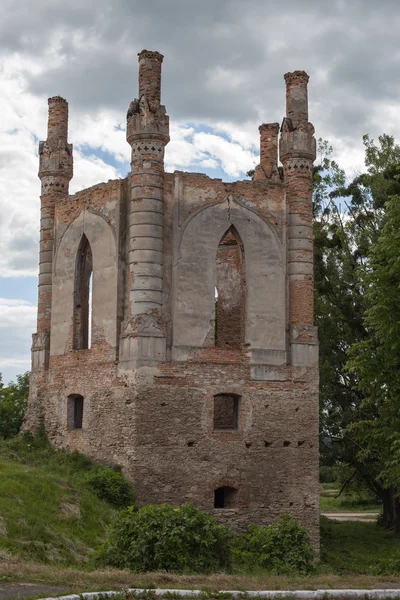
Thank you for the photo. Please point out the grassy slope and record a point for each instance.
(47, 513)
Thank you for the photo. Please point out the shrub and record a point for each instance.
(166, 538)
(110, 485)
(283, 547)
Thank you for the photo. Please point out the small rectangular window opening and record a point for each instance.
(75, 411)
(226, 412)
(225, 497)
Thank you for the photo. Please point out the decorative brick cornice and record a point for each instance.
(151, 54)
(269, 127)
(55, 99)
(294, 77)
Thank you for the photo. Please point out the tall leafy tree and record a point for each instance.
(13, 402)
(348, 221)
(376, 362)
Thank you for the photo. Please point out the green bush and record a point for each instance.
(283, 547)
(111, 486)
(166, 538)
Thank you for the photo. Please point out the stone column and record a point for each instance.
(143, 333)
(297, 154)
(55, 173)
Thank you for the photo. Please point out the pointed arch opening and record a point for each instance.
(230, 291)
(83, 296)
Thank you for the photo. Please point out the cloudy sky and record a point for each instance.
(222, 77)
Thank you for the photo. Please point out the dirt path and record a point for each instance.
(366, 517)
(25, 590)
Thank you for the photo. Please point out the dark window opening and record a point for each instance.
(83, 296)
(226, 411)
(230, 291)
(75, 411)
(225, 497)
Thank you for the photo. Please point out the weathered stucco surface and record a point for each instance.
(157, 246)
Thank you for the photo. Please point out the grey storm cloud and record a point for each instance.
(224, 60)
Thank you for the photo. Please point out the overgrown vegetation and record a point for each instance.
(166, 538)
(283, 548)
(48, 512)
(110, 485)
(186, 540)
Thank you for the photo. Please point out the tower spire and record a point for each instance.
(297, 153)
(143, 334)
(55, 173)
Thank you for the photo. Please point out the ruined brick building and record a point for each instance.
(208, 402)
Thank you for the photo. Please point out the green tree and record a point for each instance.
(338, 305)
(13, 402)
(348, 222)
(376, 362)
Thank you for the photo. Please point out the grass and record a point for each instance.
(356, 547)
(78, 580)
(47, 512)
(345, 503)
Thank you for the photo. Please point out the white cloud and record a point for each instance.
(104, 131)
(202, 151)
(89, 170)
(18, 321)
(24, 124)
(21, 364)
(12, 302)
(19, 315)
(234, 159)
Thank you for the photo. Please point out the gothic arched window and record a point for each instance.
(83, 296)
(230, 291)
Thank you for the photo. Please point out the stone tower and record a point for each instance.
(175, 328)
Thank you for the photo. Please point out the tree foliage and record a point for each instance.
(338, 305)
(349, 223)
(13, 402)
(376, 360)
